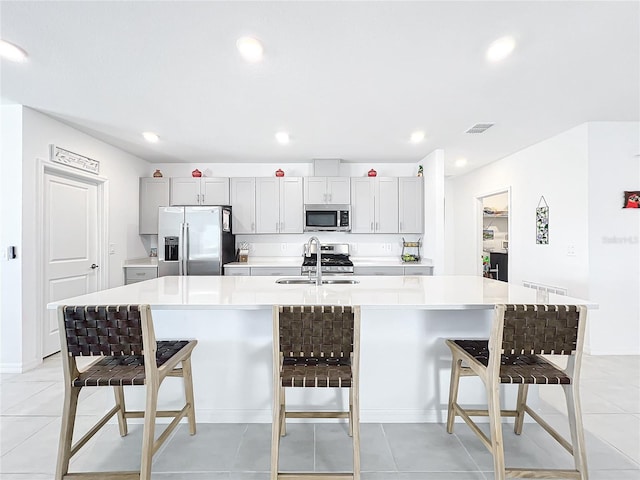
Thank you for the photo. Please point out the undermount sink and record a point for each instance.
(310, 281)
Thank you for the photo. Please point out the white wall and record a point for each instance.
(614, 237)
(122, 171)
(434, 210)
(581, 173)
(10, 234)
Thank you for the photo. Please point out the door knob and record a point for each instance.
(94, 266)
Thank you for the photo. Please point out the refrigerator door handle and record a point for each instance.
(186, 248)
(181, 251)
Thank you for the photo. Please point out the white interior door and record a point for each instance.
(70, 246)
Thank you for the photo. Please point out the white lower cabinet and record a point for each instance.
(237, 271)
(139, 274)
(418, 270)
(266, 271)
(373, 270)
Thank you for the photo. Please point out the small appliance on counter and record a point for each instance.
(334, 259)
(194, 240)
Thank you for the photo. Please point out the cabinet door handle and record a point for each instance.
(400, 226)
(197, 198)
(277, 225)
(202, 199)
(377, 226)
(253, 226)
(372, 226)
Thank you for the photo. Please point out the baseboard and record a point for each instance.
(18, 367)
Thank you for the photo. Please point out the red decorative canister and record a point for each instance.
(196, 173)
(372, 173)
(279, 173)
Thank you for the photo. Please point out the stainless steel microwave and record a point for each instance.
(327, 218)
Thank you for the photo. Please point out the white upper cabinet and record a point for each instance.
(411, 204)
(291, 207)
(279, 205)
(154, 193)
(243, 205)
(374, 205)
(327, 190)
(200, 191)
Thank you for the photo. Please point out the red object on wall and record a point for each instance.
(279, 173)
(196, 173)
(372, 173)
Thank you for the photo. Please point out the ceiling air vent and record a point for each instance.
(479, 128)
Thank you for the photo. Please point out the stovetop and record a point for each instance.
(328, 260)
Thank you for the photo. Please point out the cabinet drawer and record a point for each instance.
(418, 270)
(277, 271)
(137, 274)
(237, 271)
(397, 270)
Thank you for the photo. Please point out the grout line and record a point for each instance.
(388, 444)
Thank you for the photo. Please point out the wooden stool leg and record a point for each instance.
(149, 430)
(122, 420)
(454, 383)
(574, 411)
(187, 377)
(497, 445)
(355, 428)
(283, 417)
(69, 410)
(351, 412)
(523, 390)
(276, 427)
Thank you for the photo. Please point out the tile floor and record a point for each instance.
(30, 422)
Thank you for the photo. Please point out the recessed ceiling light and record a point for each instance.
(417, 137)
(12, 52)
(250, 48)
(501, 49)
(151, 137)
(282, 138)
(461, 162)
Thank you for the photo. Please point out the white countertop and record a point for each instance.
(257, 292)
(297, 262)
(141, 262)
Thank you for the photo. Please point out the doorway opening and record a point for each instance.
(494, 234)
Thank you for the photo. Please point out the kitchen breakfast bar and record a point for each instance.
(405, 364)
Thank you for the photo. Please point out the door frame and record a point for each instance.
(102, 184)
(480, 221)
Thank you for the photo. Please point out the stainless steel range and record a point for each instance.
(334, 259)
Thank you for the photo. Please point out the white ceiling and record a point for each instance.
(348, 80)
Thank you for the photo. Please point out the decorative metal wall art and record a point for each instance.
(75, 160)
(542, 222)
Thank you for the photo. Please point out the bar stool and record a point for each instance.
(315, 347)
(519, 336)
(123, 340)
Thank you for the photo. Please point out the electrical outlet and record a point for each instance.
(112, 249)
(571, 250)
(283, 247)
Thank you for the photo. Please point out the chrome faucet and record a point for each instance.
(319, 261)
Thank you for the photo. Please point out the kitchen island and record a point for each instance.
(405, 364)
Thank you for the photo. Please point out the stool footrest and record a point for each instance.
(103, 476)
(537, 473)
(317, 414)
(315, 476)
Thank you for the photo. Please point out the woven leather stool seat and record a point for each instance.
(316, 372)
(513, 354)
(125, 369)
(517, 368)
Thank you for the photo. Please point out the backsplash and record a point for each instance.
(292, 245)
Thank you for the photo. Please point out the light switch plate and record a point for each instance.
(112, 249)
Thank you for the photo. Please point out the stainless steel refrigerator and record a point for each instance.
(194, 240)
